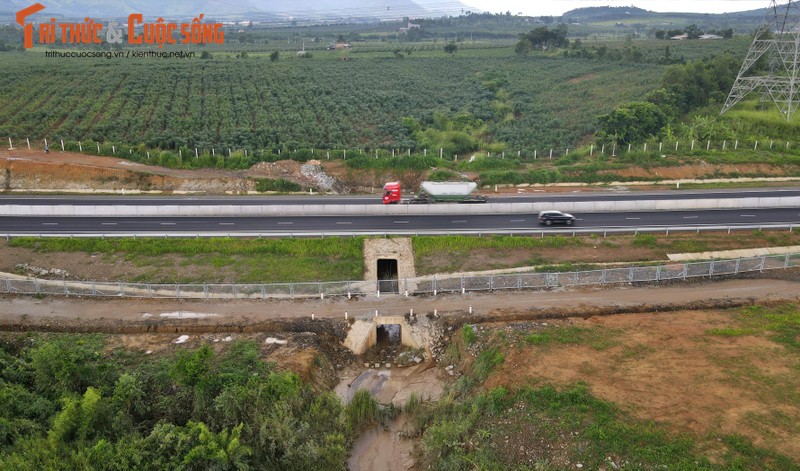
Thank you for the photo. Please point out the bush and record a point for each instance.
(278, 184)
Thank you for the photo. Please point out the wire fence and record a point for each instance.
(410, 286)
(187, 153)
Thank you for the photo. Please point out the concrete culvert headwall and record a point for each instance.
(364, 334)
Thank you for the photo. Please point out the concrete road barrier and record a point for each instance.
(123, 210)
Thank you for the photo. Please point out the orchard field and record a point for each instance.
(323, 102)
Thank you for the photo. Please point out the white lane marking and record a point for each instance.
(344, 222)
(460, 221)
(167, 223)
(108, 223)
(517, 220)
(285, 223)
(401, 222)
(690, 217)
(49, 223)
(227, 224)
(633, 219)
(747, 215)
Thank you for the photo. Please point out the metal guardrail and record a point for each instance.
(541, 232)
(411, 286)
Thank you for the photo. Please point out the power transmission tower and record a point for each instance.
(777, 41)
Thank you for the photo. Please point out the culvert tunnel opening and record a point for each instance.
(388, 335)
(388, 275)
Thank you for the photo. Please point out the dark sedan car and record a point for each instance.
(556, 217)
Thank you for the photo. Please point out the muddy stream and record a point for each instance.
(386, 448)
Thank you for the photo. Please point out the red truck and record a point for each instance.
(433, 192)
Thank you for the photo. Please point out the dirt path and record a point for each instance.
(17, 311)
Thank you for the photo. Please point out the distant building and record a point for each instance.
(709, 36)
(680, 37)
(410, 26)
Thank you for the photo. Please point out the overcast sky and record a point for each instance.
(557, 7)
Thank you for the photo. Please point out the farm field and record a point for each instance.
(317, 103)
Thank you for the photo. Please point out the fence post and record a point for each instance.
(8, 286)
(94, 289)
(711, 269)
(491, 282)
(603, 276)
(630, 275)
(786, 261)
(66, 290)
(205, 291)
(519, 277)
(291, 290)
(761, 265)
(177, 291)
(658, 273)
(685, 270)
(263, 291)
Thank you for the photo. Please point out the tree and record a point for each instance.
(450, 48)
(274, 56)
(693, 32)
(631, 122)
(543, 38)
(523, 46)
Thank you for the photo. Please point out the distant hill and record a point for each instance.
(300, 9)
(601, 14)
(742, 22)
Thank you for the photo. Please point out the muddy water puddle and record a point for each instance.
(383, 448)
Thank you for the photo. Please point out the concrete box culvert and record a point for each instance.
(363, 335)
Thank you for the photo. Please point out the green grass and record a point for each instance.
(468, 334)
(426, 246)
(362, 410)
(572, 426)
(781, 323)
(247, 260)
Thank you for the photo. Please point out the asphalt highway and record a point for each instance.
(577, 195)
(391, 224)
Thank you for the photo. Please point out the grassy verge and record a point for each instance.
(563, 253)
(220, 259)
